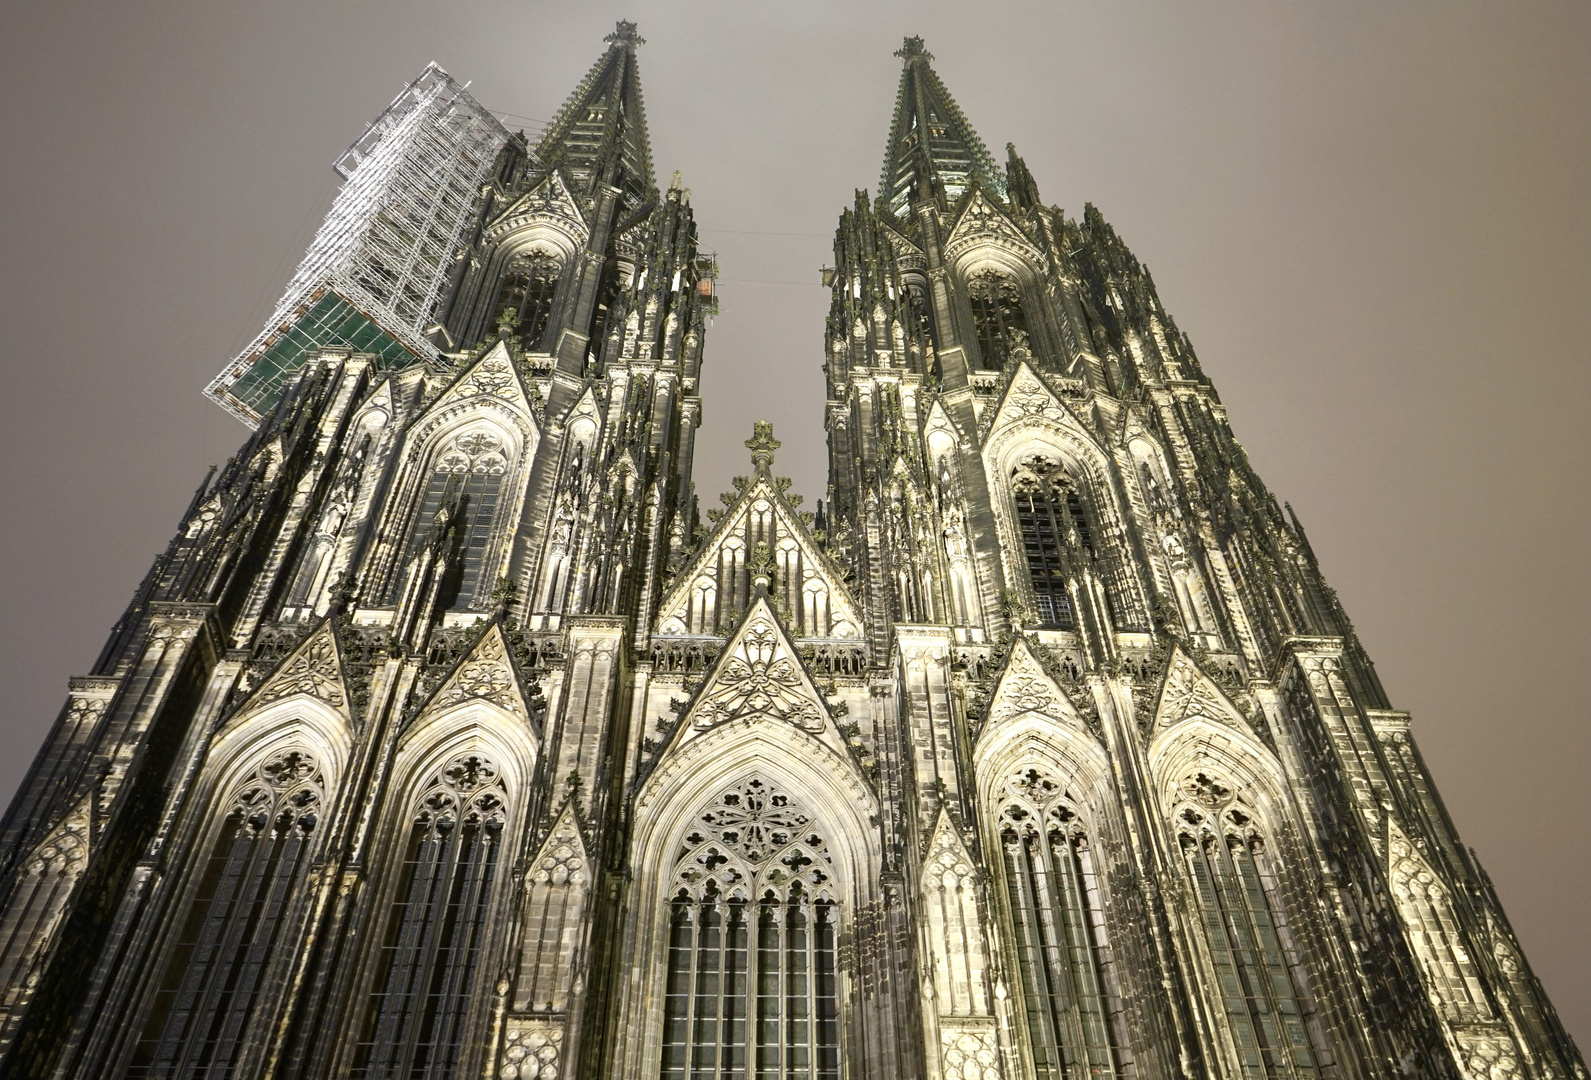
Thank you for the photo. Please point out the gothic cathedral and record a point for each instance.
(451, 738)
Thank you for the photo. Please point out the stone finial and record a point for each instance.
(761, 566)
(912, 48)
(762, 444)
(624, 33)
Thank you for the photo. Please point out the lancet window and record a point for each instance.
(1257, 964)
(234, 923)
(456, 512)
(751, 990)
(997, 318)
(1055, 532)
(414, 1021)
(526, 295)
(1071, 989)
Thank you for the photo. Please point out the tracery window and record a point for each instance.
(1070, 987)
(1260, 972)
(233, 923)
(527, 293)
(751, 989)
(997, 317)
(415, 1020)
(462, 493)
(1054, 531)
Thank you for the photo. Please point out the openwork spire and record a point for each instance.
(931, 144)
(600, 133)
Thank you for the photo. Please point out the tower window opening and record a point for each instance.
(1250, 940)
(997, 318)
(1054, 529)
(235, 922)
(416, 1018)
(1071, 992)
(527, 293)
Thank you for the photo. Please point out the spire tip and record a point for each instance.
(912, 48)
(625, 34)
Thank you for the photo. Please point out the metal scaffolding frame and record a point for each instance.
(381, 262)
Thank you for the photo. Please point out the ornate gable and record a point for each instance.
(1188, 693)
(548, 203)
(484, 673)
(1027, 400)
(983, 223)
(1024, 687)
(314, 669)
(760, 525)
(759, 678)
(563, 858)
(586, 407)
(491, 379)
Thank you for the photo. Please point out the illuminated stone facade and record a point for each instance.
(447, 739)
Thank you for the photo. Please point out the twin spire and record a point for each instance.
(599, 135)
(931, 144)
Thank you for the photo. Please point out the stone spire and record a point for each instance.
(600, 133)
(932, 147)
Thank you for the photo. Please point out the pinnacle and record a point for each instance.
(762, 444)
(625, 35)
(912, 48)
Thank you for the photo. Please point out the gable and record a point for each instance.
(484, 673)
(759, 679)
(715, 585)
(983, 230)
(1188, 693)
(491, 383)
(549, 203)
(1029, 399)
(314, 668)
(1025, 687)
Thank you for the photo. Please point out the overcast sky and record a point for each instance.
(1374, 221)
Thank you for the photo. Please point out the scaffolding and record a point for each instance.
(382, 260)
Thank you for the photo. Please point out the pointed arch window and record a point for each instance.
(752, 985)
(998, 319)
(456, 512)
(1055, 531)
(1071, 989)
(1262, 983)
(234, 923)
(526, 293)
(414, 1022)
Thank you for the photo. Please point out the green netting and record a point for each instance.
(331, 320)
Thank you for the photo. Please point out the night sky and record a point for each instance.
(1374, 221)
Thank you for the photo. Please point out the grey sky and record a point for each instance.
(1374, 221)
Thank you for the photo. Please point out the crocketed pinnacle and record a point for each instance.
(600, 133)
(931, 144)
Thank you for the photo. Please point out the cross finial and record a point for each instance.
(762, 444)
(624, 33)
(913, 47)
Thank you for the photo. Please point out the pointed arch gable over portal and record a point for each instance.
(758, 787)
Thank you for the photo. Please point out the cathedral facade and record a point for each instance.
(452, 737)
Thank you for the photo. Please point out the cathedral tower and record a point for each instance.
(447, 740)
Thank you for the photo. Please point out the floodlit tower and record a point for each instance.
(285, 825)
